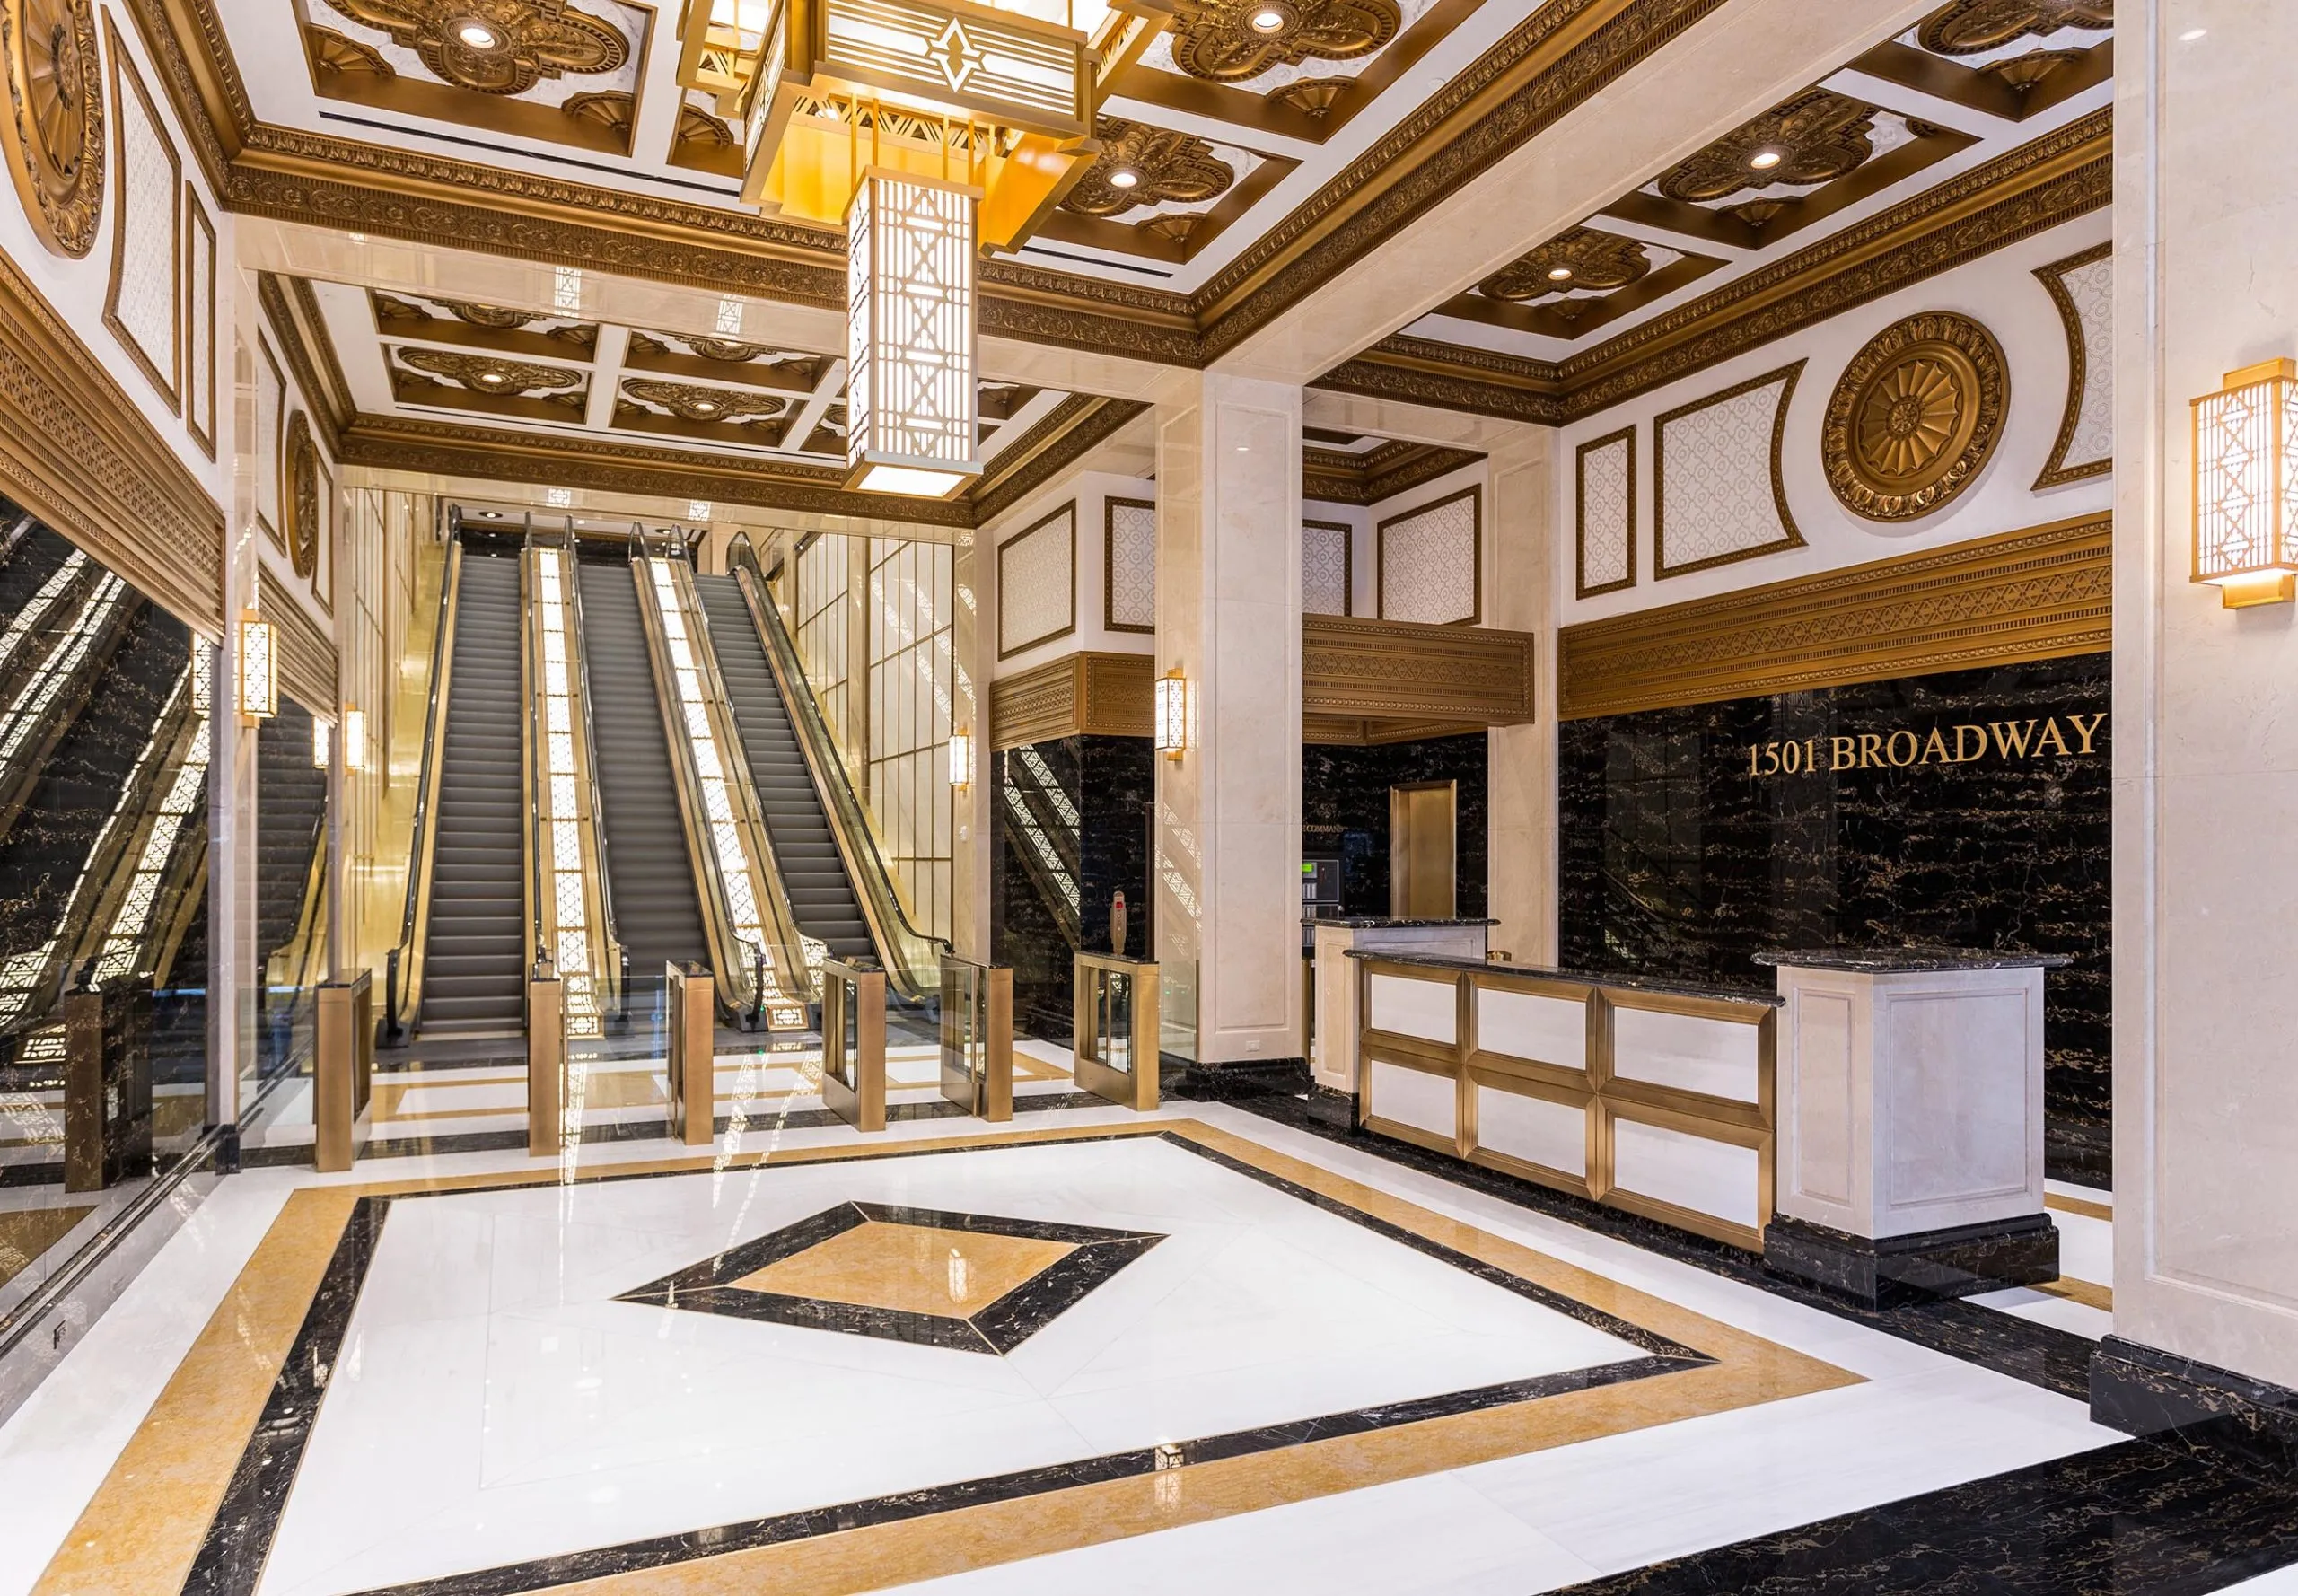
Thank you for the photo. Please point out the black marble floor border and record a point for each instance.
(2057, 1360)
(239, 1538)
(996, 1328)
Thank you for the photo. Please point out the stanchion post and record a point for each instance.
(690, 1051)
(343, 1073)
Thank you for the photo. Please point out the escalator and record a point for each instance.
(821, 896)
(657, 915)
(290, 811)
(473, 974)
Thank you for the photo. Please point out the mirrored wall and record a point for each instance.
(105, 733)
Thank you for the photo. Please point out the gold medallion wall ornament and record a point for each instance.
(56, 118)
(1914, 416)
(300, 460)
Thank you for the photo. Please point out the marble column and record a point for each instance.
(1228, 834)
(970, 814)
(1521, 562)
(2205, 752)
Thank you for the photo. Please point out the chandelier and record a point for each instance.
(931, 130)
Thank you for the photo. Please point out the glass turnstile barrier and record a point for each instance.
(977, 1037)
(1117, 1028)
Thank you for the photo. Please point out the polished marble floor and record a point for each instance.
(1300, 1365)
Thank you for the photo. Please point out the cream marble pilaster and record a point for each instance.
(971, 815)
(2205, 747)
(236, 970)
(1521, 567)
(1228, 834)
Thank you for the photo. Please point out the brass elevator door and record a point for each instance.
(1424, 820)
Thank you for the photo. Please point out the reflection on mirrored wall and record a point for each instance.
(290, 891)
(104, 739)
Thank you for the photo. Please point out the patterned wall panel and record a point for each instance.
(271, 416)
(1605, 523)
(199, 322)
(142, 301)
(1037, 584)
(1715, 472)
(2082, 286)
(1429, 561)
(1327, 567)
(1129, 565)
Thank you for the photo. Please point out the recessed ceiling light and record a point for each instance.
(477, 35)
(1125, 177)
(490, 376)
(1765, 160)
(707, 406)
(1559, 274)
(491, 515)
(2191, 34)
(1268, 19)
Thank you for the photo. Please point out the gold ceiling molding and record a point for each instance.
(1086, 694)
(526, 41)
(1345, 477)
(2067, 173)
(1058, 439)
(76, 452)
(1576, 260)
(1142, 165)
(1914, 416)
(296, 326)
(2039, 593)
(1972, 27)
(1816, 137)
(1227, 41)
(54, 131)
(307, 657)
(1410, 671)
(693, 403)
(338, 53)
(762, 365)
(480, 326)
(483, 373)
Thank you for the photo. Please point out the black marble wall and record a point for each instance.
(1344, 812)
(1970, 809)
(1109, 784)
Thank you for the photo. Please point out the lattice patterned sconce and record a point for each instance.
(2245, 499)
(961, 759)
(1172, 713)
(354, 739)
(320, 738)
(259, 673)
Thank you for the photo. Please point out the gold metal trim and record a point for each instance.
(199, 245)
(1475, 495)
(417, 943)
(1082, 694)
(307, 657)
(1581, 587)
(269, 367)
(1908, 369)
(1067, 511)
(2055, 469)
(1109, 507)
(299, 495)
(1405, 671)
(2040, 593)
(170, 383)
(1786, 376)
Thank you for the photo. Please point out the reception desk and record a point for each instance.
(1654, 1097)
(1332, 1046)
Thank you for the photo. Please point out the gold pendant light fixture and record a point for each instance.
(930, 130)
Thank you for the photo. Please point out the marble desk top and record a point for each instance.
(1615, 979)
(1902, 960)
(1381, 922)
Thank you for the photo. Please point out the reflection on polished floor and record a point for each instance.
(1216, 1347)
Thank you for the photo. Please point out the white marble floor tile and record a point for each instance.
(2077, 1318)
(2086, 1248)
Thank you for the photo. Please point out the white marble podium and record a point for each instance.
(1910, 1122)
(1332, 1058)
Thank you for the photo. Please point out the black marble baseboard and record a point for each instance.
(1258, 1077)
(2081, 1150)
(2244, 1423)
(1958, 1262)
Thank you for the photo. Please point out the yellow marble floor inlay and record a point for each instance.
(27, 1232)
(143, 1529)
(910, 1268)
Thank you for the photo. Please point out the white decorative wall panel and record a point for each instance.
(1716, 474)
(1132, 555)
(2085, 290)
(270, 415)
(1428, 562)
(1037, 584)
(199, 329)
(1607, 513)
(146, 248)
(1324, 567)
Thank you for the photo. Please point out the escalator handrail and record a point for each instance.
(616, 972)
(403, 971)
(857, 840)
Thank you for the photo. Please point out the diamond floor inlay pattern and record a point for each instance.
(968, 1281)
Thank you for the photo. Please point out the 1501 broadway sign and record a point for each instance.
(1961, 743)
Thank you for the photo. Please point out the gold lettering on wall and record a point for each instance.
(1961, 743)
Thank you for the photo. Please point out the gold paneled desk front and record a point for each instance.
(1116, 1029)
(854, 1043)
(1652, 1097)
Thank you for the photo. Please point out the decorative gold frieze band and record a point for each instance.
(2040, 593)
(1410, 670)
(1082, 694)
(307, 657)
(76, 452)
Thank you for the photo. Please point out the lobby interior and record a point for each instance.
(993, 797)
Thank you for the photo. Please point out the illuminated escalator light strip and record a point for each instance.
(560, 830)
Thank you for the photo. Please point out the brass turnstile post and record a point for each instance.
(977, 1037)
(854, 1043)
(1116, 1029)
(690, 1051)
(547, 1129)
(343, 1072)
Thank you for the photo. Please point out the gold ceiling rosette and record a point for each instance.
(1228, 41)
(1143, 165)
(495, 47)
(1914, 416)
(1970, 27)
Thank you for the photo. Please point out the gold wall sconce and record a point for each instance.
(1172, 713)
(961, 759)
(354, 739)
(320, 740)
(2245, 502)
(259, 673)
